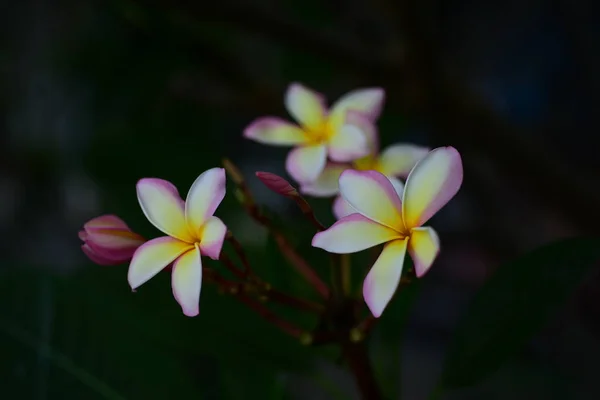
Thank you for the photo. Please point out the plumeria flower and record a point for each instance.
(382, 217)
(109, 241)
(191, 231)
(395, 161)
(320, 132)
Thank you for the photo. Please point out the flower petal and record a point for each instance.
(368, 127)
(327, 183)
(373, 195)
(399, 159)
(351, 140)
(186, 280)
(342, 208)
(151, 257)
(383, 278)
(114, 239)
(431, 184)
(353, 233)
(423, 247)
(212, 237)
(306, 163)
(275, 131)
(368, 101)
(205, 195)
(306, 106)
(164, 208)
(96, 258)
(106, 221)
(397, 184)
(109, 246)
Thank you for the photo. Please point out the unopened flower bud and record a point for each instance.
(109, 241)
(277, 184)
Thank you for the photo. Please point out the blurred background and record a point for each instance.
(97, 94)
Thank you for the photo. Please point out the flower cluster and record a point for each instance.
(336, 153)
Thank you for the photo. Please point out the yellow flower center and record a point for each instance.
(319, 134)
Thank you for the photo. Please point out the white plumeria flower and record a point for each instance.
(395, 161)
(320, 132)
(191, 231)
(383, 217)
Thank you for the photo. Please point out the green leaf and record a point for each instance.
(513, 306)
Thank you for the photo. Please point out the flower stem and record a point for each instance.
(226, 261)
(251, 282)
(285, 247)
(270, 316)
(301, 264)
(345, 272)
(308, 212)
(239, 250)
(295, 302)
(358, 361)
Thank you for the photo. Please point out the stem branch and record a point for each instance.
(345, 271)
(285, 247)
(358, 361)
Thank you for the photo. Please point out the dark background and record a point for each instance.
(97, 94)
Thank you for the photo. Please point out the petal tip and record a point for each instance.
(374, 306)
(252, 131)
(192, 312)
(316, 241)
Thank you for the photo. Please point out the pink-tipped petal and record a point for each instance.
(348, 143)
(353, 233)
(277, 184)
(116, 255)
(164, 208)
(114, 240)
(398, 185)
(306, 163)
(306, 106)
(213, 235)
(368, 101)
(423, 247)
(108, 221)
(205, 195)
(327, 183)
(373, 195)
(399, 159)
(342, 208)
(186, 280)
(431, 184)
(275, 131)
(151, 257)
(383, 278)
(96, 258)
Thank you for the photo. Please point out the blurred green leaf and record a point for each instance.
(513, 305)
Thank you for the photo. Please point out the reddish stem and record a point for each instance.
(271, 317)
(308, 212)
(284, 246)
(239, 250)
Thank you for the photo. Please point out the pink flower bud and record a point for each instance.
(277, 184)
(109, 241)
